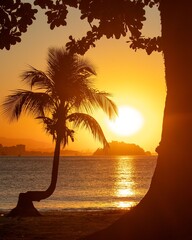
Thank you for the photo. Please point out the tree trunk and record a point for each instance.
(25, 205)
(166, 210)
(171, 183)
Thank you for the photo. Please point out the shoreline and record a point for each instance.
(53, 224)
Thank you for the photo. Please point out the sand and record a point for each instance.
(56, 225)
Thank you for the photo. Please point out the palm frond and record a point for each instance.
(36, 78)
(35, 103)
(50, 125)
(83, 120)
(71, 74)
(84, 67)
(66, 134)
(84, 72)
(92, 99)
(59, 64)
(105, 103)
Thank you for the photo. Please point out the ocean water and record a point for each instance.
(84, 183)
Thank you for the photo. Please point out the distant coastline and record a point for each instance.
(20, 150)
(115, 148)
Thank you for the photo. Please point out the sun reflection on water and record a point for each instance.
(124, 186)
(124, 192)
(125, 204)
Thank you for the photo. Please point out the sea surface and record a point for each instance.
(84, 183)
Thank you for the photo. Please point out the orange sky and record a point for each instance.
(133, 78)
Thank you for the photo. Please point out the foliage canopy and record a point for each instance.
(106, 18)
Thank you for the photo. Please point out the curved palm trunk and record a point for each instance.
(166, 210)
(25, 205)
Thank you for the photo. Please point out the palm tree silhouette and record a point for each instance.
(62, 99)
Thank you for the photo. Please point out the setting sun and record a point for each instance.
(128, 122)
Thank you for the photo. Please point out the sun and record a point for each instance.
(128, 122)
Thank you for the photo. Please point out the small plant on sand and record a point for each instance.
(62, 98)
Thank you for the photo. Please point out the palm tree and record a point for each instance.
(62, 99)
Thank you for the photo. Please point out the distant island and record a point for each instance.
(121, 148)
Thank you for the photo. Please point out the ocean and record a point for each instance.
(84, 183)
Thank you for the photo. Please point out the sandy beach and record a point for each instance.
(56, 225)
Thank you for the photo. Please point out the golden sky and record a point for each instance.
(133, 78)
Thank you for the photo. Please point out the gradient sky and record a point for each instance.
(133, 78)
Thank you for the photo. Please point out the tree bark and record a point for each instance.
(25, 205)
(172, 178)
(166, 210)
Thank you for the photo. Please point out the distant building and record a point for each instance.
(17, 150)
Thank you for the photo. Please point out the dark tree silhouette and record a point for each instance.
(15, 17)
(165, 212)
(62, 98)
